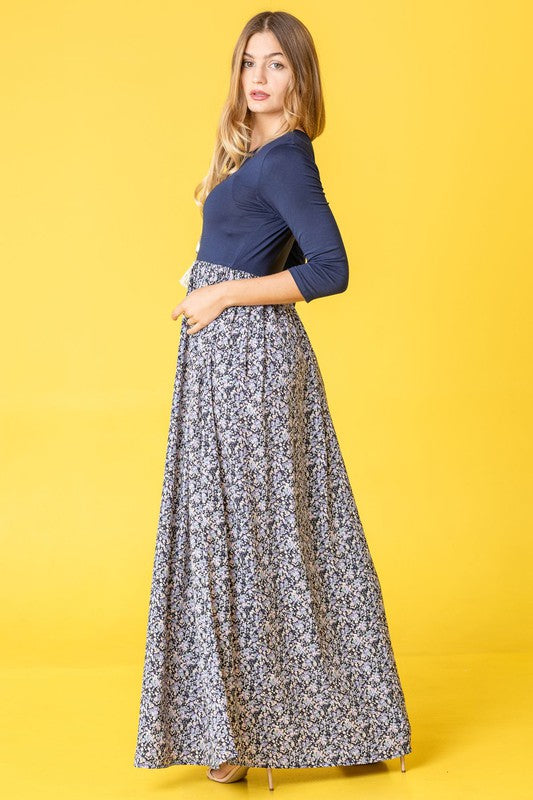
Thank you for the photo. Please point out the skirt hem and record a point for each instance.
(307, 765)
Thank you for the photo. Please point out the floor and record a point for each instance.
(69, 732)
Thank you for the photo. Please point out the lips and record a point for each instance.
(259, 95)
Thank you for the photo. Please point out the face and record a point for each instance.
(265, 70)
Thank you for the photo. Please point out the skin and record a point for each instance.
(270, 74)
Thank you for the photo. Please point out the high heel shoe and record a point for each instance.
(237, 773)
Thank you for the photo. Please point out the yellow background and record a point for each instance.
(109, 115)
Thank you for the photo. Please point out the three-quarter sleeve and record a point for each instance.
(290, 184)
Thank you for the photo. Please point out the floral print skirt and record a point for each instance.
(267, 640)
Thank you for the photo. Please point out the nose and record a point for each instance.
(258, 74)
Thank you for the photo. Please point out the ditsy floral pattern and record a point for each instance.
(267, 640)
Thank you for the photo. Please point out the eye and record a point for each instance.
(273, 63)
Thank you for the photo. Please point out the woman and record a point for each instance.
(267, 640)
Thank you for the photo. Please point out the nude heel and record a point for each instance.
(236, 773)
(402, 763)
(270, 781)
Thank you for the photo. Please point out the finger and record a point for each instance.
(177, 311)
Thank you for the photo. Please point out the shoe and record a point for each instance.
(237, 773)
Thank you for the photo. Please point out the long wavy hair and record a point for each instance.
(303, 105)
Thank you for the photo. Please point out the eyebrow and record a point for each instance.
(268, 56)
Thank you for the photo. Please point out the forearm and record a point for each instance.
(265, 290)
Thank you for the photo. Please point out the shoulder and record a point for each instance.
(291, 158)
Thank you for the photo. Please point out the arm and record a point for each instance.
(266, 290)
(290, 187)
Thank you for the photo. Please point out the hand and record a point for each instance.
(202, 306)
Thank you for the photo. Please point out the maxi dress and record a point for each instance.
(267, 641)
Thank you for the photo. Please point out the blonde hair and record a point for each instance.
(303, 105)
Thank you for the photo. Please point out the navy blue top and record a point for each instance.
(272, 214)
